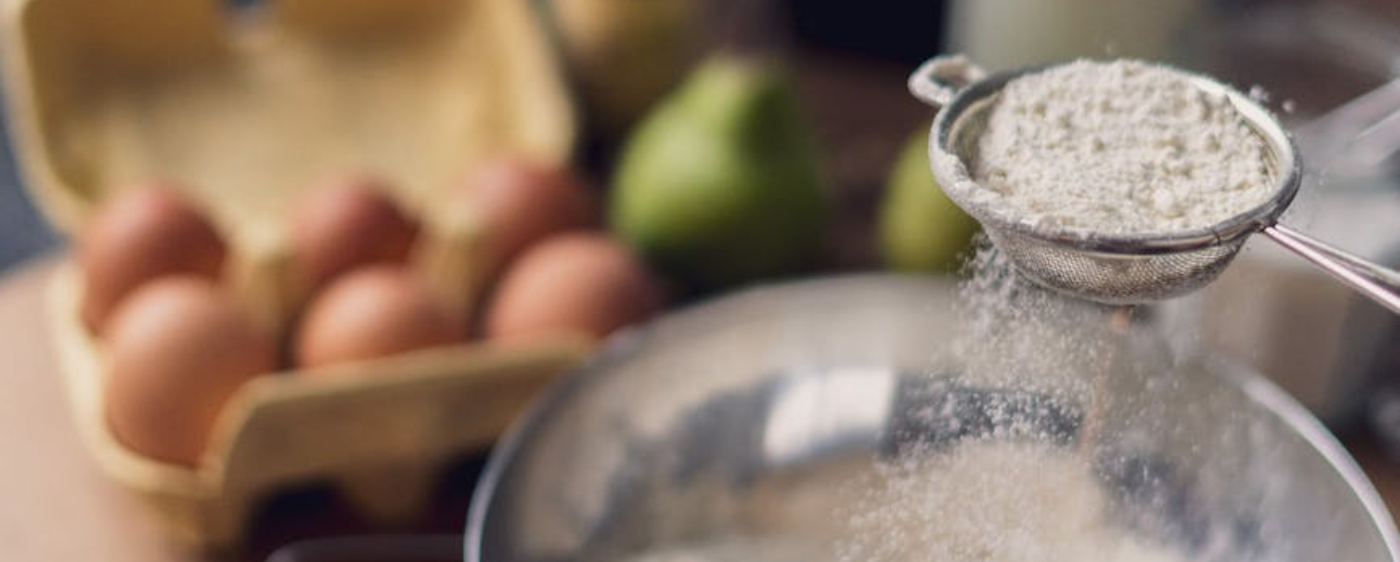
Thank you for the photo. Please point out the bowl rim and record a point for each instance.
(1296, 417)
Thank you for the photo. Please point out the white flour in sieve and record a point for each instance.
(1121, 147)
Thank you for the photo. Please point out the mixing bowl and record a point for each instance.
(750, 427)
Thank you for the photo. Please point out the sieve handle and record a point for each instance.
(1379, 283)
(940, 78)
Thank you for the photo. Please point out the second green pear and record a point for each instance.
(719, 184)
(920, 229)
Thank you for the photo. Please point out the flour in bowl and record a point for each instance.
(1121, 147)
(989, 501)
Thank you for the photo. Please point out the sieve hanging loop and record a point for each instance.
(940, 79)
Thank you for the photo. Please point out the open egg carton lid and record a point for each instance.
(249, 106)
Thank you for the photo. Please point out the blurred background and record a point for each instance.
(784, 125)
(840, 50)
(25, 232)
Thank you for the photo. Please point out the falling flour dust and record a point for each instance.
(1016, 495)
(1120, 147)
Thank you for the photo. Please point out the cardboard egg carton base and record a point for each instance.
(380, 430)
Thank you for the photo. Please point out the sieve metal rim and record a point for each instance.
(956, 181)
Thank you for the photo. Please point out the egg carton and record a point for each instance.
(248, 108)
(380, 429)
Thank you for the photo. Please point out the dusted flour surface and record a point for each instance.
(993, 502)
(1121, 147)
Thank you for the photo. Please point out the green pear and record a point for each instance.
(920, 229)
(719, 184)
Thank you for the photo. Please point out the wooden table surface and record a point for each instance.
(56, 506)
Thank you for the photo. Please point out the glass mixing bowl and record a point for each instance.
(744, 428)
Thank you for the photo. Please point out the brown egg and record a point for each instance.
(373, 312)
(520, 203)
(140, 235)
(177, 349)
(579, 282)
(346, 224)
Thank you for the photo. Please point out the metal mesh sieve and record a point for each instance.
(1115, 269)
(1114, 278)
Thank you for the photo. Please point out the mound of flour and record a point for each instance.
(1121, 147)
(993, 502)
